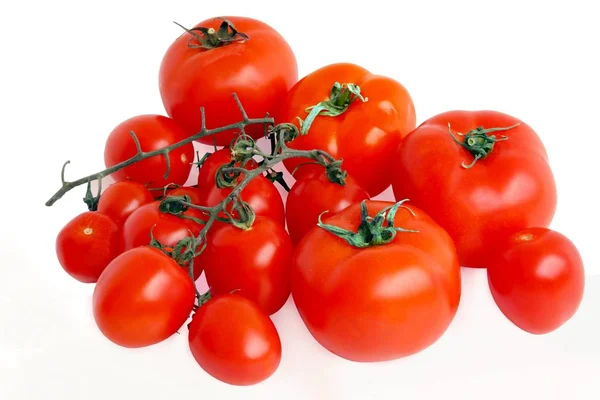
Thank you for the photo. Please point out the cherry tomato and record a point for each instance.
(313, 194)
(192, 192)
(365, 135)
(382, 301)
(260, 70)
(87, 244)
(166, 228)
(233, 340)
(537, 279)
(260, 193)
(510, 189)
(255, 261)
(123, 198)
(142, 298)
(154, 132)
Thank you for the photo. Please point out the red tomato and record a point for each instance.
(312, 195)
(166, 228)
(142, 298)
(234, 340)
(509, 190)
(365, 135)
(260, 193)
(123, 198)
(256, 261)
(87, 244)
(192, 192)
(379, 302)
(537, 279)
(154, 132)
(260, 70)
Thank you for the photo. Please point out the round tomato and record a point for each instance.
(166, 228)
(509, 186)
(259, 67)
(313, 194)
(233, 340)
(388, 294)
(87, 244)
(255, 261)
(193, 193)
(123, 198)
(537, 279)
(260, 193)
(153, 132)
(142, 298)
(365, 135)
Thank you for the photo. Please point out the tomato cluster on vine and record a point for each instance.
(372, 280)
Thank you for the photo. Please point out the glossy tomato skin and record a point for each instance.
(120, 199)
(142, 298)
(260, 193)
(537, 279)
(381, 302)
(260, 71)
(87, 244)
(154, 132)
(256, 261)
(314, 194)
(166, 228)
(192, 192)
(233, 340)
(365, 136)
(511, 189)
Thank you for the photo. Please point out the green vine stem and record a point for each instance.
(142, 155)
(479, 142)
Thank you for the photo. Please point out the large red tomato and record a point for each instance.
(537, 279)
(260, 193)
(508, 187)
(232, 339)
(142, 298)
(393, 295)
(153, 132)
(255, 261)
(313, 194)
(202, 68)
(365, 135)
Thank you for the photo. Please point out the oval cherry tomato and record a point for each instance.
(379, 302)
(154, 132)
(509, 190)
(260, 70)
(260, 193)
(120, 199)
(166, 228)
(313, 194)
(365, 135)
(537, 279)
(142, 298)
(255, 261)
(87, 244)
(233, 340)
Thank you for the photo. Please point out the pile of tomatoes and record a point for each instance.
(372, 280)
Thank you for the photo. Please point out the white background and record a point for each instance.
(71, 71)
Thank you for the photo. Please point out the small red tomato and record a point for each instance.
(142, 298)
(153, 132)
(234, 340)
(260, 193)
(255, 261)
(166, 228)
(192, 192)
(87, 244)
(123, 198)
(537, 279)
(313, 194)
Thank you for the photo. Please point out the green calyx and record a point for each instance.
(340, 98)
(479, 142)
(209, 38)
(335, 173)
(372, 231)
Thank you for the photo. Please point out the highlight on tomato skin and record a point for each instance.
(537, 279)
